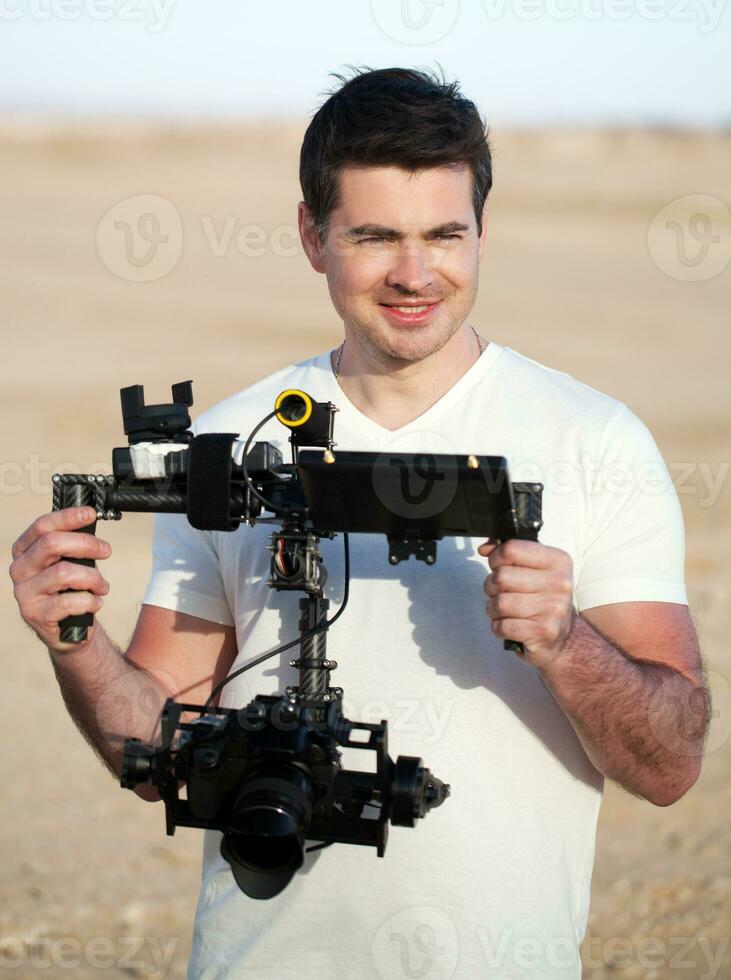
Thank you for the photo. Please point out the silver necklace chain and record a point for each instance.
(336, 370)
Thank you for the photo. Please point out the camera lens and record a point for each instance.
(264, 843)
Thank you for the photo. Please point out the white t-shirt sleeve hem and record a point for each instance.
(190, 603)
(630, 590)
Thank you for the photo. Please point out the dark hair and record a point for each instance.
(401, 117)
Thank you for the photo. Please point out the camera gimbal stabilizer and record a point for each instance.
(268, 775)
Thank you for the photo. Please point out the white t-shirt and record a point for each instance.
(495, 882)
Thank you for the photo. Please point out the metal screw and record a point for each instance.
(292, 663)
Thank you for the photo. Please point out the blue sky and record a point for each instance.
(527, 62)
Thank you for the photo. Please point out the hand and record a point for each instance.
(39, 576)
(530, 596)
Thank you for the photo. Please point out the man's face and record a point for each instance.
(401, 257)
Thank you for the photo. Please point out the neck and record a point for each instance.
(393, 393)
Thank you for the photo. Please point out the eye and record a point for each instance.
(377, 240)
(452, 236)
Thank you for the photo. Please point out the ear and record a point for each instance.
(309, 237)
(483, 233)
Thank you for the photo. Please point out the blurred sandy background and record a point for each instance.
(568, 279)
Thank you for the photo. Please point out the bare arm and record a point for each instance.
(642, 719)
(627, 675)
(111, 695)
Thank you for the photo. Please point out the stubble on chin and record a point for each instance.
(380, 347)
(388, 355)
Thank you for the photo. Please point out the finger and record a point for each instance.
(487, 547)
(520, 630)
(54, 545)
(58, 607)
(514, 605)
(512, 578)
(65, 575)
(529, 554)
(68, 519)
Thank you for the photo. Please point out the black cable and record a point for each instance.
(316, 847)
(287, 511)
(324, 624)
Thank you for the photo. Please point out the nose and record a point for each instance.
(411, 271)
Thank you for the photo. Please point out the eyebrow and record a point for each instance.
(382, 231)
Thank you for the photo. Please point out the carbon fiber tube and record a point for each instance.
(313, 680)
(73, 629)
(162, 500)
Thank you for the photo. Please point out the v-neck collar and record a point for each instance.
(361, 421)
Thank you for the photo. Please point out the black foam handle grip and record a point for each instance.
(515, 645)
(529, 513)
(73, 629)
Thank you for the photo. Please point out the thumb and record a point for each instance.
(488, 547)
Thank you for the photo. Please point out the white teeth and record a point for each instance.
(410, 309)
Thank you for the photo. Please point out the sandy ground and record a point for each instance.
(568, 278)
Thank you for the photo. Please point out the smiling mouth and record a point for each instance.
(408, 309)
(410, 314)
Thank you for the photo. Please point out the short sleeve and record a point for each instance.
(633, 546)
(186, 574)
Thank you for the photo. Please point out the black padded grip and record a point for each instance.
(209, 482)
(528, 510)
(73, 629)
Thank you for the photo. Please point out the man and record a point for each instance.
(395, 172)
